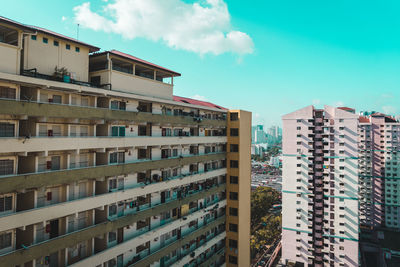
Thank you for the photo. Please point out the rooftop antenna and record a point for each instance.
(77, 32)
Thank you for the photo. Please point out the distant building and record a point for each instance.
(259, 135)
(274, 134)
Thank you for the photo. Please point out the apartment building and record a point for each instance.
(320, 223)
(101, 165)
(379, 136)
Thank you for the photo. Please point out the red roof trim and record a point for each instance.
(363, 119)
(197, 102)
(346, 108)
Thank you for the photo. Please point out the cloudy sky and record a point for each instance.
(270, 57)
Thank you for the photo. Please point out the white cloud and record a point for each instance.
(390, 110)
(201, 27)
(199, 97)
(63, 18)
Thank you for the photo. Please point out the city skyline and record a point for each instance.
(335, 53)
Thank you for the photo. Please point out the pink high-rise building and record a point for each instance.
(320, 216)
(379, 169)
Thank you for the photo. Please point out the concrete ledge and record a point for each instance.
(177, 244)
(21, 108)
(213, 258)
(22, 256)
(35, 180)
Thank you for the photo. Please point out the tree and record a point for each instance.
(270, 231)
(262, 200)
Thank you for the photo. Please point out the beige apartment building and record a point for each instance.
(101, 165)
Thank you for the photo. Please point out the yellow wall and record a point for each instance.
(10, 54)
(45, 57)
(243, 187)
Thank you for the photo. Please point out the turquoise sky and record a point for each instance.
(305, 52)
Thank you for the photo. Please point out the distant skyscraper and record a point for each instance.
(259, 134)
(320, 187)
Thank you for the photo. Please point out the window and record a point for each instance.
(57, 99)
(118, 131)
(233, 211)
(233, 195)
(5, 203)
(7, 129)
(232, 259)
(56, 43)
(112, 210)
(112, 184)
(68, 47)
(234, 148)
(5, 240)
(234, 179)
(45, 40)
(6, 166)
(142, 153)
(6, 92)
(118, 105)
(234, 164)
(77, 49)
(234, 132)
(33, 37)
(233, 243)
(234, 116)
(117, 157)
(142, 130)
(112, 236)
(233, 227)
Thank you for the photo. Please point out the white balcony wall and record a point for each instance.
(8, 145)
(51, 212)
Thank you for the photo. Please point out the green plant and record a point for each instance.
(60, 72)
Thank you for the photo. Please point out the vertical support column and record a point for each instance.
(238, 187)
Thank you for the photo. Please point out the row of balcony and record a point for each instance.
(19, 182)
(25, 108)
(34, 251)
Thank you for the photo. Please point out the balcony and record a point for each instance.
(156, 252)
(58, 210)
(53, 110)
(36, 180)
(201, 248)
(20, 256)
(37, 144)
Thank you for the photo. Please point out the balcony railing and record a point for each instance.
(23, 255)
(34, 73)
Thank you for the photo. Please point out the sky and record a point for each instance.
(268, 57)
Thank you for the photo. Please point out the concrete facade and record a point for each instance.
(114, 170)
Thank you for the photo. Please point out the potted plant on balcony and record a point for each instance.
(62, 74)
